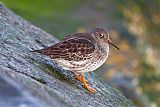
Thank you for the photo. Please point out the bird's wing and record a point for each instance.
(71, 49)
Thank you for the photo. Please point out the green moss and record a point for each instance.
(40, 80)
(51, 71)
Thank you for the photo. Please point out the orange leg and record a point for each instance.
(85, 85)
(84, 82)
(78, 77)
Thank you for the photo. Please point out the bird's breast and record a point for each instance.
(97, 59)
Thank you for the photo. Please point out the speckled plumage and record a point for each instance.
(81, 52)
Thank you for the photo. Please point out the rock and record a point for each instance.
(30, 79)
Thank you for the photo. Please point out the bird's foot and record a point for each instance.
(81, 78)
(91, 90)
(85, 84)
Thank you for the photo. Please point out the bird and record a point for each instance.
(81, 53)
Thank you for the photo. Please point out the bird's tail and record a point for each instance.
(38, 51)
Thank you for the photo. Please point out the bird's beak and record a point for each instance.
(110, 42)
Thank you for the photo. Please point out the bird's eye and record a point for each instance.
(101, 35)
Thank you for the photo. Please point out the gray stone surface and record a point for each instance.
(32, 80)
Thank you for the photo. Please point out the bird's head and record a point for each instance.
(102, 36)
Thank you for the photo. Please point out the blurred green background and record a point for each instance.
(134, 25)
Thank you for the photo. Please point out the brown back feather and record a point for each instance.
(73, 48)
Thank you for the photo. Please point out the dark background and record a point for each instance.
(133, 25)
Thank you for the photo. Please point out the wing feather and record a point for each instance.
(71, 49)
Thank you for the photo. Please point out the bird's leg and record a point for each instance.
(81, 78)
(85, 85)
(78, 76)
